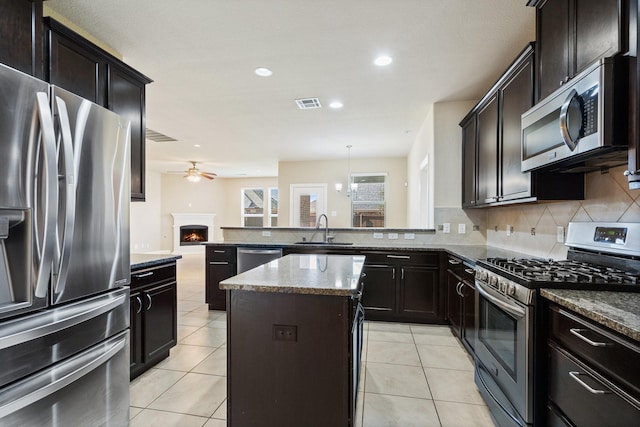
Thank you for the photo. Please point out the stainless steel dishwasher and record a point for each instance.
(249, 258)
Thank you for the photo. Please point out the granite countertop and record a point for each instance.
(337, 275)
(469, 253)
(139, 261)
(619, 311)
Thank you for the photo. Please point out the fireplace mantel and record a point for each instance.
(181, 219)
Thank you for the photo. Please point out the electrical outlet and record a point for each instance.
(285, 333)
(334, 213)
(393, 236)
(462, 228)
(378, 235)
(560, 234)
(266, 233)
(533, 231)
(509, 230)
(446, 228)
(409, 236)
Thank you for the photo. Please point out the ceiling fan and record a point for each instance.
(193, 174)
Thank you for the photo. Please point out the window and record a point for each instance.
(273, 207)
(367, 200)
(252, 207)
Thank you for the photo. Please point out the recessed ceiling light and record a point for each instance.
(335, 105)
(196, 145)
(383, 60)
(263, 72)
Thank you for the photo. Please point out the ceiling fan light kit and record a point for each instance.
(193, 174)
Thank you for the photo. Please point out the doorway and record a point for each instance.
(308, 202)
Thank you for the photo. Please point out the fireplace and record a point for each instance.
(193, 234)
(190, 230)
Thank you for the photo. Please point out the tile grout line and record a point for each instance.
(435, 407)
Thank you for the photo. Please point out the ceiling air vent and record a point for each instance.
(308, 103)
(158, 137)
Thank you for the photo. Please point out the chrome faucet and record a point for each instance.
(326, 227)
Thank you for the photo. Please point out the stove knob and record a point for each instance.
(493, 281)
(511, 289)
(482, 275)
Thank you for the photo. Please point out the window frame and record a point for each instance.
(368, 202)
(244, 215)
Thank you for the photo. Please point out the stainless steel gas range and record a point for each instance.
(601, 256)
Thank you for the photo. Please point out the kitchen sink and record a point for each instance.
(323, 243)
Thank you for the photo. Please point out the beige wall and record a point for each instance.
(421, 150)
(233, 208)
(331, 172)
(145, 217)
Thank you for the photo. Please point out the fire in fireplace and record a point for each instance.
(193, 234)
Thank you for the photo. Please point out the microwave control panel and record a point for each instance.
(589, 111)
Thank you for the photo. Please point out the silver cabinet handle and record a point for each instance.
(470, 271)
(148, 299)
(576, 332)
(139, 305)
(574, 375)
(399, 256)
(218, 263)
(402, 274)
(455, 261)
(142, 275)
(393, 274)
(215, 251)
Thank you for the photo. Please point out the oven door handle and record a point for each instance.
(512, 309)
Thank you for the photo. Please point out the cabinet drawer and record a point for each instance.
(585, 397)
(221, 253)
(402, 258)
(612, 355)
(153, 275)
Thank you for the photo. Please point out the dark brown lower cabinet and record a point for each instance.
(592, 373)
(402, 287)
(220, 264)
(292, 359)
(461, 302)
(153, 316)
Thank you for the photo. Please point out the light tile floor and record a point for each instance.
(414, 375)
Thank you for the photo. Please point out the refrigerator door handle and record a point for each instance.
(72, 374)
(63, 246)
(62, 321)
(50, 188)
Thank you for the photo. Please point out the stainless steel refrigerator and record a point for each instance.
(64, 258)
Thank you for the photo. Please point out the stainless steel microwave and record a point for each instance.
(583, 124)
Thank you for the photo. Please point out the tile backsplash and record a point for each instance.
(607, 198)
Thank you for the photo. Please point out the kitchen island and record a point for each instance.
(294, 341)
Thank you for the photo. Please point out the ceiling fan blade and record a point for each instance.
(206, 176)
(211, 174)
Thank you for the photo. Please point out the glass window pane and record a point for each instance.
(308, 204)
(273, 193)
(274, 221)
(253, 201)
(367, 201)
(253, 221)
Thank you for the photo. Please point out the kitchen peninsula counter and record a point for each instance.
(294, 341)
(139, 261)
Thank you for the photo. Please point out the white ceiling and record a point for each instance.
(202, 54)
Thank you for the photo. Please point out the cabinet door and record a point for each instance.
(598, 34)
(488, 152)
(160, 324)
(75, 68)
(517, 97)
(469, 196)
(217, 272)
(135, 338)
(419, 292)
(378, 290)
(20, 35)
(468, 314)
(454, 303)
(553, 45)
(126, 97)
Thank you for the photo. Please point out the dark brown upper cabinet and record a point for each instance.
(572, 34)
(21, 35)
(75, 64)
(492, 174)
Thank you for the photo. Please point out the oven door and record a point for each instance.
(504, 355)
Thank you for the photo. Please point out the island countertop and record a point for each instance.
(337, 275)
